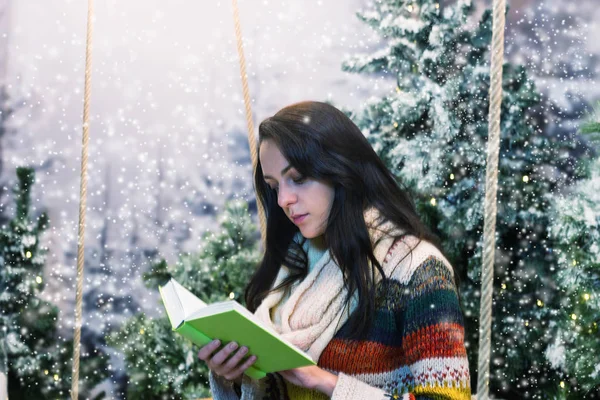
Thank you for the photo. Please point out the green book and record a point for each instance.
(229, 321)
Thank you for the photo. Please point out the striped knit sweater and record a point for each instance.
(415, 349)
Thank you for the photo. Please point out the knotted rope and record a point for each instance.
(491, 187)
(82, 203)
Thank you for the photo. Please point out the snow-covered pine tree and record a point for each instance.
(576, 233)
(38, 360)
(431, 130)
(160, 363)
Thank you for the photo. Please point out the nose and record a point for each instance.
(285, 197)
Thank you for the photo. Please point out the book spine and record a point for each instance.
(200, 339)
(191, 333)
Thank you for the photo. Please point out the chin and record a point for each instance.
(307, 235)
(310, 234)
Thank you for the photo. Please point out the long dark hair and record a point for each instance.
(321, 142)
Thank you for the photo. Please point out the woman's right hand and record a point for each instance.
(221, 364)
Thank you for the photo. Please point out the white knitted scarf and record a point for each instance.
(314, 311)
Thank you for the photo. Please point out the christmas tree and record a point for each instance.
(431, 130)
(161, 363)
(576, 232)
(36, 358)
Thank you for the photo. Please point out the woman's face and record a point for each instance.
(306, 201)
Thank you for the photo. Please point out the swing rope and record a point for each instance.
(249, 123)
(491, 187)
(82, 203)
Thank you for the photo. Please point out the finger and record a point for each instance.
(233, 362)
(223, 354)
(206, 350)
(240, 370)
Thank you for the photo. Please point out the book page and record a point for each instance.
(189, 302)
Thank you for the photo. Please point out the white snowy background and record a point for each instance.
(168, 134)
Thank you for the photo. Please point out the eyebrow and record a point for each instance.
(283, 171)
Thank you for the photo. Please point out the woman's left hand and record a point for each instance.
(311, 377)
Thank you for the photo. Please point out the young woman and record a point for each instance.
(350, 274)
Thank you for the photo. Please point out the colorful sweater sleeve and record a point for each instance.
(432, 327)
(419, 341)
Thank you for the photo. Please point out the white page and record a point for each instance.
(189, 302)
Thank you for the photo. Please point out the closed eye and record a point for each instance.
(300, 180)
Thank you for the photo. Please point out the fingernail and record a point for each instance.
(243, 350)
(216, 342)
(233, 345)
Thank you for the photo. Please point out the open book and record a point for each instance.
(229, 321)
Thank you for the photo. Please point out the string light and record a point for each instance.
(231, 295)
(574, 262)
(398, 90)
(503, 286)
(410, 8)
(432, 201)
(525, 178)
(562, 384)
(540, 303)
(28, 254)
(573, 317)
(395, 124)
(38, 279)
(142, 331)
(452, 177)
(586, 296)
(55, 377)
(437, 5)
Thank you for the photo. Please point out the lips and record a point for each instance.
(299, 218)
